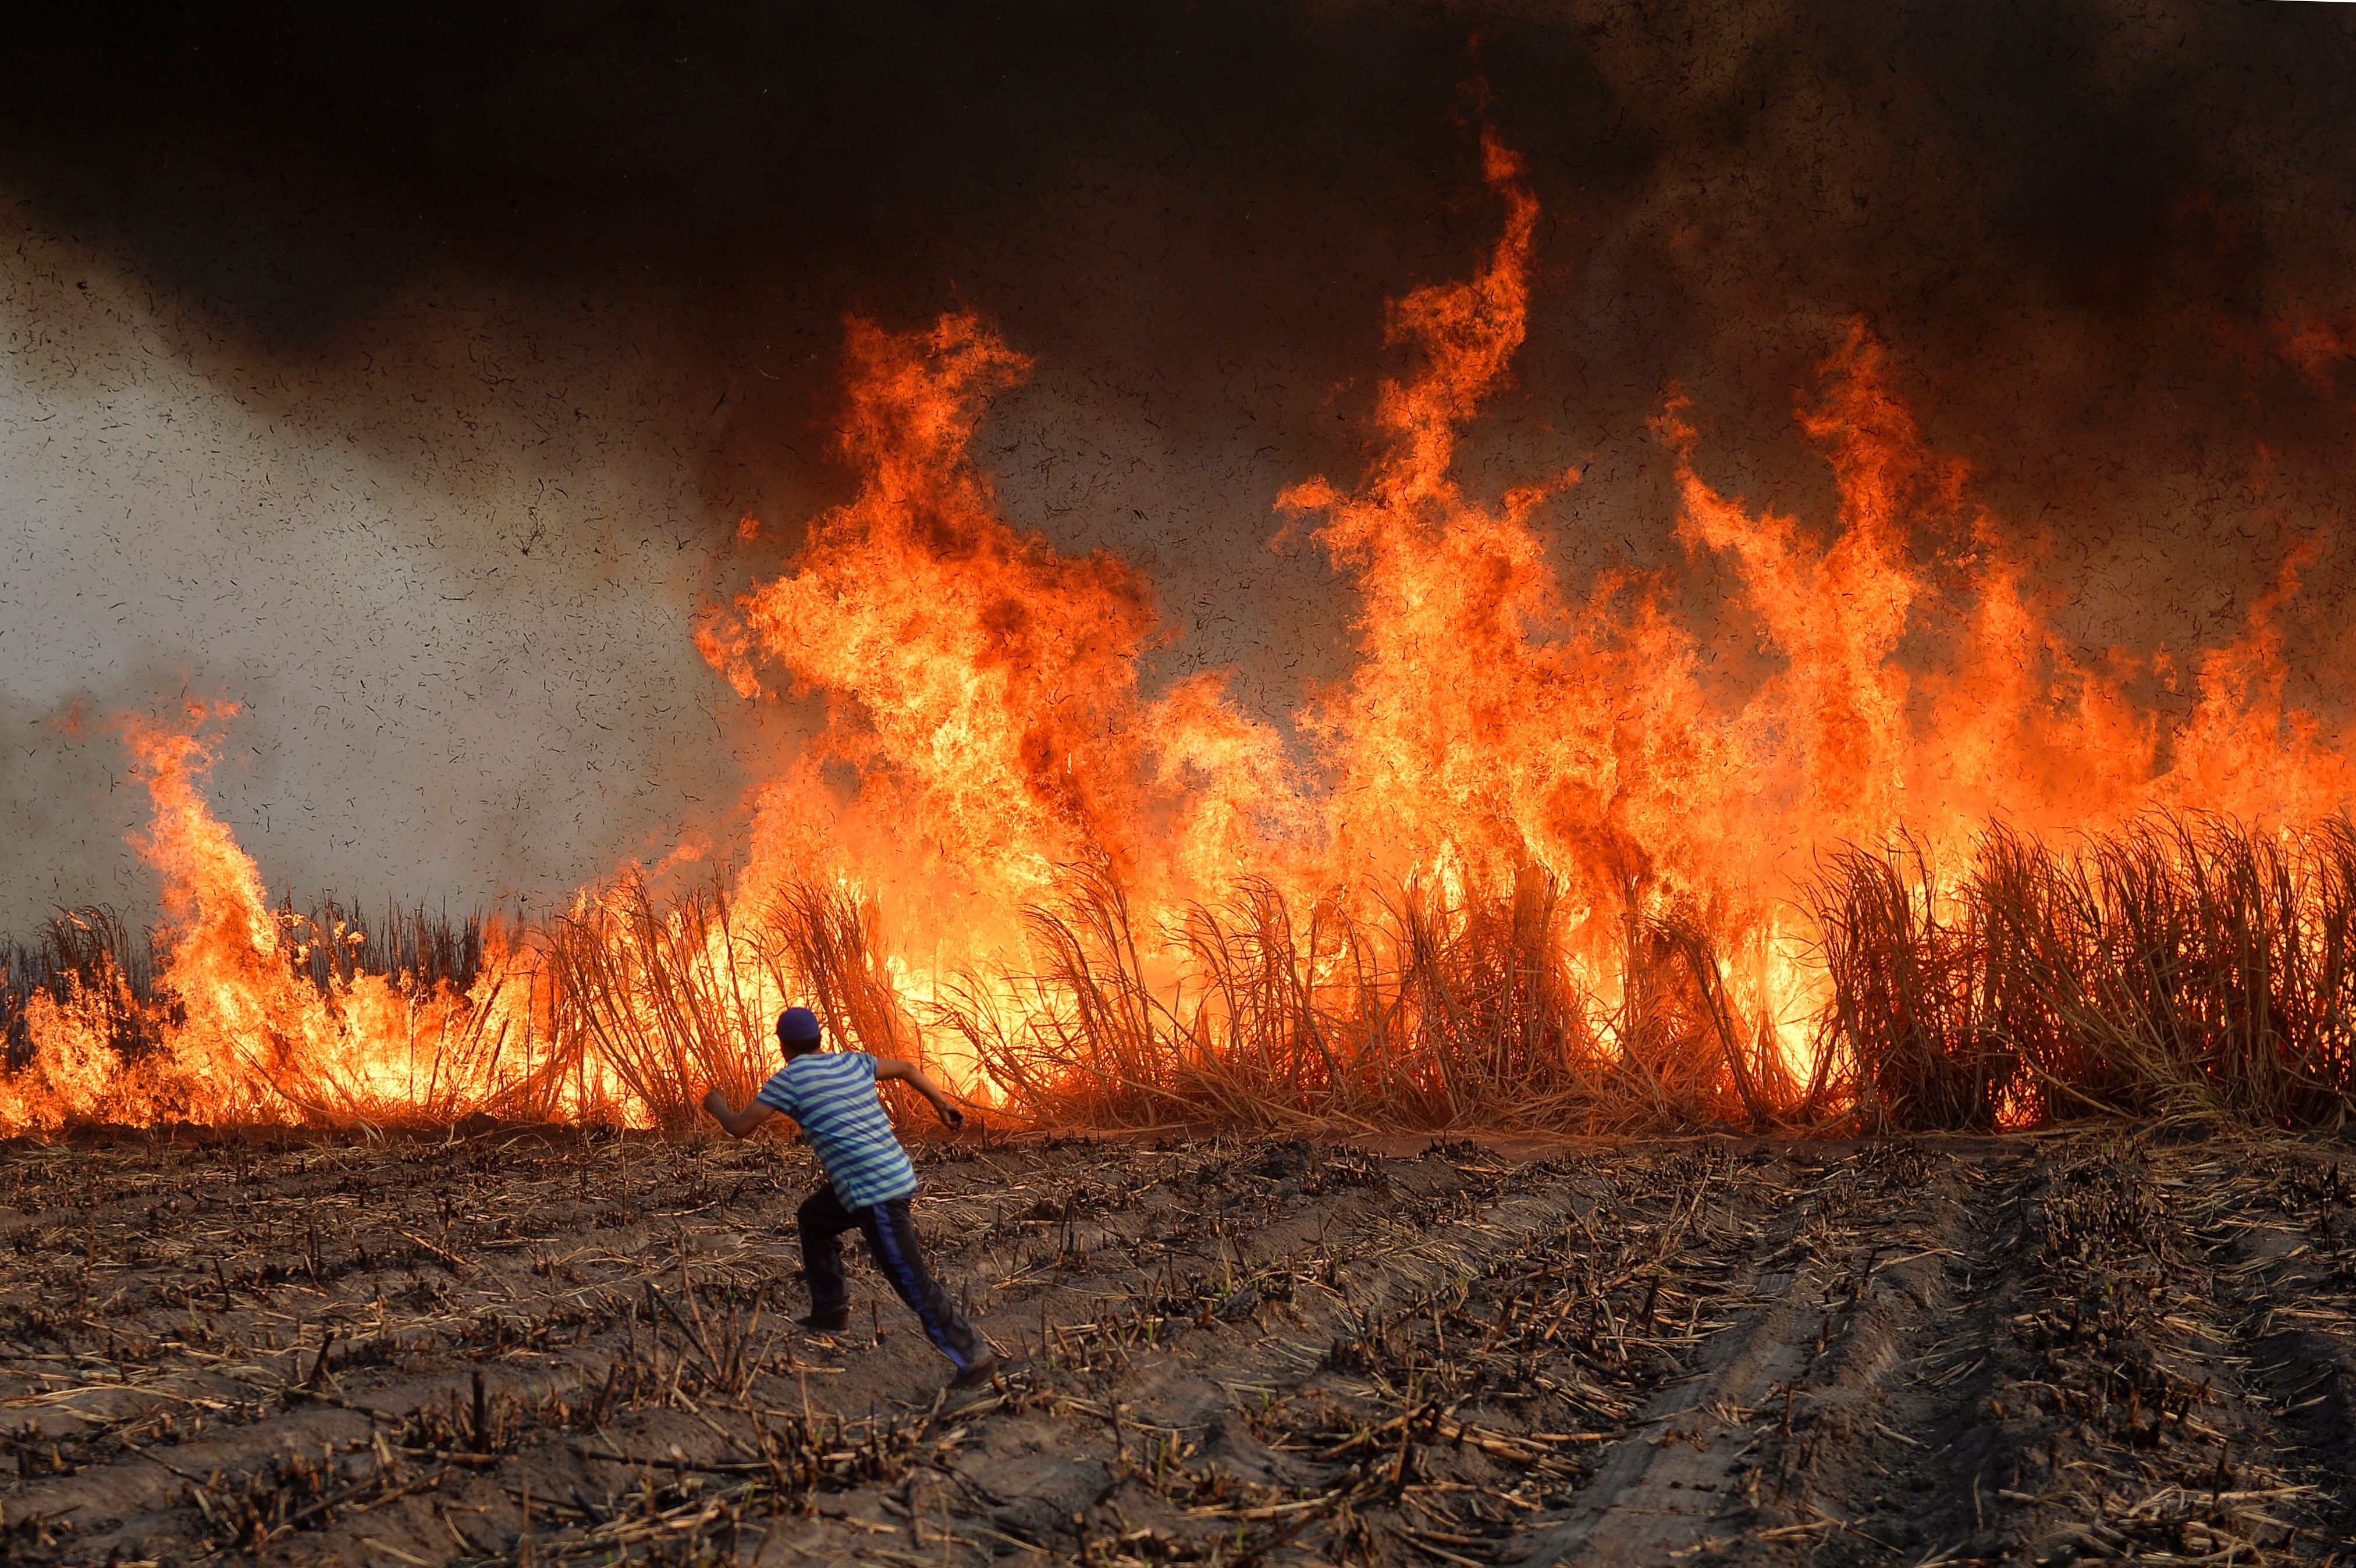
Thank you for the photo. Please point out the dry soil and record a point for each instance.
(566, 1347)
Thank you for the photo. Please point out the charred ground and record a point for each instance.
(560, 1346)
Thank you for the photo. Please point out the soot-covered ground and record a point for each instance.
(569, 1348)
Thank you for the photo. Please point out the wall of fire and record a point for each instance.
(405, 378)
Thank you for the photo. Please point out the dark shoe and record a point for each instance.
(974, 1376)
(825, 1322)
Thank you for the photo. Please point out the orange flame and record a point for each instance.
(982, 687)
(986, 727)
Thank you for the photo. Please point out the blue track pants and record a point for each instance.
(892, 1238)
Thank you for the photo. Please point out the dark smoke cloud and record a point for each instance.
(566, 284)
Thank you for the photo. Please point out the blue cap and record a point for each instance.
(797, 1026)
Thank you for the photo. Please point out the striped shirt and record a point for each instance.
(832, 1095)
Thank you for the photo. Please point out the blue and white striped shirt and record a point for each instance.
(832, 1095)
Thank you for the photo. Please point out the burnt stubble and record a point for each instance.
(558, 1346)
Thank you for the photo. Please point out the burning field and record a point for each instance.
(1614, 752)
(1548, 861)
(564, 1347)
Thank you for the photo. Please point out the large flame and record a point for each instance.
(984, 688)
(1582, 757)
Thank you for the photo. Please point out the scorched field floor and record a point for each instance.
(569, 1348)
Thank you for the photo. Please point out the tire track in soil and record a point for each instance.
(2137, 1415)
(1871, 1446)
(2106, 1387)
(1652, 1487)
(2291, 1274)
(1862, 1279)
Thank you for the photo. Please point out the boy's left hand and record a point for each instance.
(952, 1115)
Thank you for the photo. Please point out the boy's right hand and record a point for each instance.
(952, 1115)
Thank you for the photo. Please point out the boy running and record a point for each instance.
(869, 1182)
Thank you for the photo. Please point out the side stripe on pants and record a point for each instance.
(910, 1283)
(891, 1241)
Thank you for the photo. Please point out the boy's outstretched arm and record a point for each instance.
(739, 1123)
(914, 1076)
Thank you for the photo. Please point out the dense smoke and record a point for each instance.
(404, 376)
